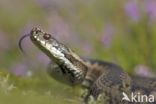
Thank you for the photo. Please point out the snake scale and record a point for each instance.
(98, 76)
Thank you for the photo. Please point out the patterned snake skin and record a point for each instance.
(98, 76)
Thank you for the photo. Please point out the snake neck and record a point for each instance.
(75, 65)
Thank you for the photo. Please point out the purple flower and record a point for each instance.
(20, 69)
(143, 71)
(43, 59)
(107, 34)
(131, 10)
(47, 5)
(150, 9)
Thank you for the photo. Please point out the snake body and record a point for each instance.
(96, 75)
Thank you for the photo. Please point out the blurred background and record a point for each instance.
(122, 32)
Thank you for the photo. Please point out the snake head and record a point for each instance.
(48, 44)
(69, 62)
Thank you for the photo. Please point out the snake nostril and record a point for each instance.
(46, 36)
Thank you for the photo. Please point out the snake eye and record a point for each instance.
(47, 36)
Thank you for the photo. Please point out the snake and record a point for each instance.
(98, 76)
